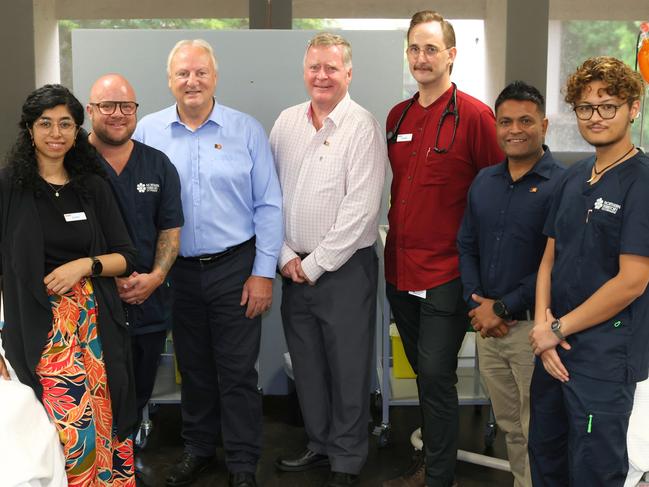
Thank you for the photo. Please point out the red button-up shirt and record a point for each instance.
(429, 189)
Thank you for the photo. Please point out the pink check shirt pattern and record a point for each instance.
(331, 180)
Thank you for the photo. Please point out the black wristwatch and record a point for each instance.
(97, 267)
(500, 309)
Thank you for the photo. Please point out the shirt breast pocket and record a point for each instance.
(606, 228)
(437, 168)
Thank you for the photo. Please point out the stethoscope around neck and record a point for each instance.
(449, 110)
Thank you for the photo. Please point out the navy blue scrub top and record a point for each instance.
(501, 239)
(148, 194)
(592, 225)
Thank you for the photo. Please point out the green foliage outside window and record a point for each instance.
(581, 39)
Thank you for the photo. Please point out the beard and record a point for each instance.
(107, 139)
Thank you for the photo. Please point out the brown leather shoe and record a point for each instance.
(414, 476)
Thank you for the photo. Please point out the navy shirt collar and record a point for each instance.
(543, 166)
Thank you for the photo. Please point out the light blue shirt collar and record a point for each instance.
(216, 116)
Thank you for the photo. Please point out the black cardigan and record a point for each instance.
(27, 311)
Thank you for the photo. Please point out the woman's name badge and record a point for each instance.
(74, 217)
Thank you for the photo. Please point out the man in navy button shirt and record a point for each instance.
(223, 278)
(591, 327)
(147, 189)
(501, 242)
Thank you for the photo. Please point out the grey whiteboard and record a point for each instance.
(260, 73)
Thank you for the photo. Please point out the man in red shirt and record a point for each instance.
(437, 142)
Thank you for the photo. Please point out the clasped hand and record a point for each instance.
(485, 321)
(293, 270)
(61, 279)
(136, 288)
(544, 344)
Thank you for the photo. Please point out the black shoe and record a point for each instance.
(186, 471)
(340, 479)
(242, 479)
(306, 460)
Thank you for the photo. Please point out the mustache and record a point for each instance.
(425, 66)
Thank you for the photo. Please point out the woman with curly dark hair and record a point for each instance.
(62, 242)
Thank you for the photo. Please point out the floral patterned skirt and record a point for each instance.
(76, 396)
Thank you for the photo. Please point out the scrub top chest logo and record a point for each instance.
(609, 206)
(148, 187)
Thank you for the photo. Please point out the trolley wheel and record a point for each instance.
(385, 436)
(489, 434)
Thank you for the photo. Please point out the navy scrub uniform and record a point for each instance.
(148, 193)
(578, 429)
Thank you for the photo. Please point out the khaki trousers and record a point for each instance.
(506, 366)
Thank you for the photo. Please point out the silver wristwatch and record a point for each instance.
(556, 329)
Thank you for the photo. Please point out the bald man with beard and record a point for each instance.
(147, 189)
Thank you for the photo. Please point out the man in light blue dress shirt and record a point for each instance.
(224, 273)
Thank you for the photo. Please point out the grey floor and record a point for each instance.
(282, 435)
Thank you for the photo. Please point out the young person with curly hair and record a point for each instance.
(591, 332)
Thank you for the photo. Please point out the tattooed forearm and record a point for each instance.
(166, 249)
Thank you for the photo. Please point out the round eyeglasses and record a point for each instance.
(109, 107)
(45, 125)
(605, 110)
(429, 51)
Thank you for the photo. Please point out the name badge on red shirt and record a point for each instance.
(404, 137)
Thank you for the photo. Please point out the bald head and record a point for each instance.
(112, 87)
(112, 110)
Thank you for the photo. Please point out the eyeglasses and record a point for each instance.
(605, 110)
(66, 127)
(109, 107)
(429, 51)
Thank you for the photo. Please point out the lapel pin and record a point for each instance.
(218, 146)
(533, 189)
